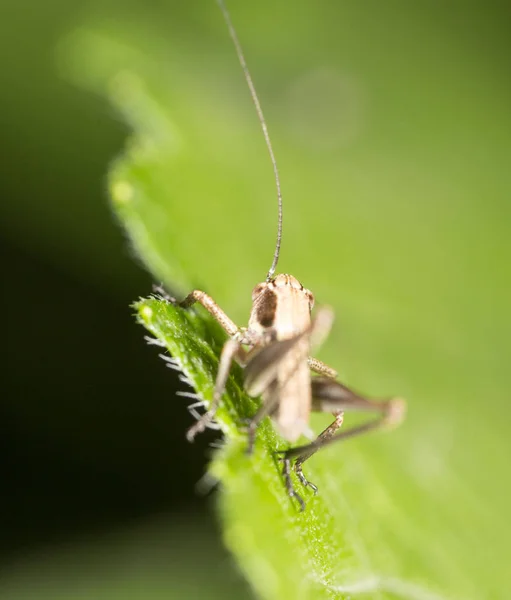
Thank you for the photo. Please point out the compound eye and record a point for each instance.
(258, 290)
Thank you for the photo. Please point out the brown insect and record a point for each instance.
(275, 352)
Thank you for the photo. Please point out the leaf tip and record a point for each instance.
(122, 192)
(146, 312)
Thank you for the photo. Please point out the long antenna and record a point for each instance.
(262, 120)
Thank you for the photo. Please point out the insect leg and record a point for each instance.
(286, 472)
(159, 289)
(303, 456)
(232, 350)
(326, 434)
(333, 396)
(207, 302)
(212, 307)
(321, 368)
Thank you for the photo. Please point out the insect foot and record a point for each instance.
(303, 480)
(202, 424)
(395, 413)
(161, 291)
(248, 426)
(292, 493)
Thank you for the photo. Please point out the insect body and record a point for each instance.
(275, 351)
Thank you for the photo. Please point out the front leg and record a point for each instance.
(232, 350)
(212, 307)
(207, 302)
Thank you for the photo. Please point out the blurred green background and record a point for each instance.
(391, 125)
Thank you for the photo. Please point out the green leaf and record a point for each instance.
(402, 228)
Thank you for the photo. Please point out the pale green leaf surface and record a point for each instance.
(404, 231)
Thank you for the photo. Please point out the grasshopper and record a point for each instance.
(275, 352)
